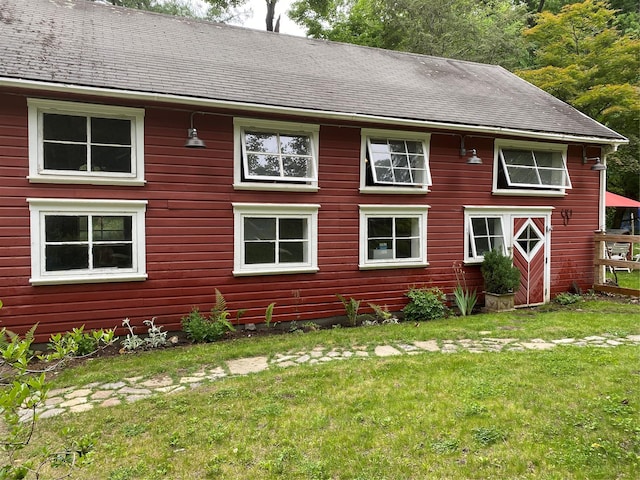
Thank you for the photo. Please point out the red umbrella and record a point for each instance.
(613, 200)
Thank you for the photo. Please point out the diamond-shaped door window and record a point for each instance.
(529, 241)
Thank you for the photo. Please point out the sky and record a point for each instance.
(258, 10)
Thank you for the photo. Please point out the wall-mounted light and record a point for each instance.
(193, 141)
(598, 166)
(474, 159)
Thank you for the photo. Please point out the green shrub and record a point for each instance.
(567, 298)
(500, 276)
(200, 328)
(351, 308)
(425, 304)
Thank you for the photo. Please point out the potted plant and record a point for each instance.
(501, 281)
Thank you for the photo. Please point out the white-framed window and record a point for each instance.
(273, 155)
(394, 162)
(393, 236)
(87, 241)
(274, 239)
(73, 142)
(530, 168)
(485, 232)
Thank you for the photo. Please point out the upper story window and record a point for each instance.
(87, 241)
(394, 162)
(272, 155)
(393, 236)
(275, 238)
(530, 168)
(85, 143)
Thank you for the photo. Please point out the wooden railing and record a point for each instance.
(602, 262)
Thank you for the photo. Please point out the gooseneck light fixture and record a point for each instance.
(193, 141)
(598, 166)
(474, 159)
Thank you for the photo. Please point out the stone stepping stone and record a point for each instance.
(386, 351)
(243, 366)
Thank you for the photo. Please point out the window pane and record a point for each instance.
(64, 156)
(111, 159)
(295, 144)
(261, 142)
(111, 228)
(293, 228)
(402, 176)
(548, 159)
(552, 177)
(68, 128)
(523, 175)
(498, 244)
(407, 248)
(382, 159)
(65, 228)
(379, 146)
(518, 157)
(66, 257)
(397, 146)
(380, 249)
(259, 228)
(479, 226)
(482, 245)
(259, 252)
(414, 147)
(417, 161)
(111, 130)
(380, 227)
(113, 255)
(495, 226)
(296, 167)
(400, 161)
(264, 165)
(406, 227)
(384, 174)
(292, 252)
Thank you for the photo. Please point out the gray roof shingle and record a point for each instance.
(90, 44)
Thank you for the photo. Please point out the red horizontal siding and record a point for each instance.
(189, 226)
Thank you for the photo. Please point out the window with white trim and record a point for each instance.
(85, 143)
(87, 241)
(275, 238)
(392, 236)
(485, 233)
(394, 162)
(526, 167)
(271, 155)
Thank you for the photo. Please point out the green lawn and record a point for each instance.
(626, 279)
(566, 413)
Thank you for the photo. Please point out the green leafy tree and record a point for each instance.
(217, 10)
(486, 31)
(582, 58)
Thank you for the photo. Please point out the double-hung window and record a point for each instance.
(530, 168)
(394, 162)
(393, 236)
(87, 241)
(84, 143)
(275, 238)
(272, 155)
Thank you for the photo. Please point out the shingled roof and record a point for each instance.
(82, 43)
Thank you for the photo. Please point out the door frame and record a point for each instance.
(508, 214)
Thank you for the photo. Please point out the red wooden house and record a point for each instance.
(327, 168)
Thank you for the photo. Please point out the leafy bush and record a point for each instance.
(80, 343)
(200, 328)
(425, 304)
(500, 276)
(567, 298)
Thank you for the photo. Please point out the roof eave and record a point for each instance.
(38, 85)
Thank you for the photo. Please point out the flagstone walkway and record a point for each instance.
(82, 398)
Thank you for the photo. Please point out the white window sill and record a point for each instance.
(72, 179)
(246, 273)
(77, 279)
(395, 190)
(388, 265)
(529, 193)
(275, 187)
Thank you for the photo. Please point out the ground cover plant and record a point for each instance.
(564, 413)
